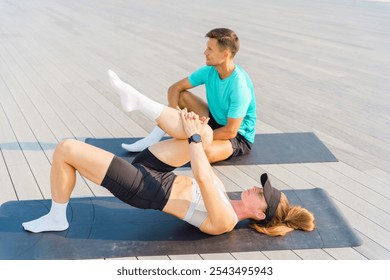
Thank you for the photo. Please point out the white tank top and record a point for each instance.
(197, 211)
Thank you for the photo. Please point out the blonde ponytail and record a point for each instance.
(286, 219)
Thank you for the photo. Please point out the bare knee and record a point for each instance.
(182, 100)
(185, 99)
(64, 149)
(207, 137)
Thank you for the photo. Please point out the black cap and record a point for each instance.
(272, 197)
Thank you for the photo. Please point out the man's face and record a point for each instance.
(214, 55)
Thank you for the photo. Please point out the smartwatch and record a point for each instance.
(195, 138)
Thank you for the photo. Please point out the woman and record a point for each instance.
(149, 182)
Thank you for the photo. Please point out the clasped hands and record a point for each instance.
(192, 123)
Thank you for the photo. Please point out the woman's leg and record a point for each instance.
(175, 152)
(69, 156)
(131, 99)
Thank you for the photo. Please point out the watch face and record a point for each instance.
(196, 138)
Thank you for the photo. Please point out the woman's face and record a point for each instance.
(254, 199)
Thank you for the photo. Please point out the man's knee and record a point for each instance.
(181, 99)
(184, 99)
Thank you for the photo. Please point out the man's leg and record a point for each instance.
(223, 149)
(187, 100)
(192, 102)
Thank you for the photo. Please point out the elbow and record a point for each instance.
(221, 230)
(174, 89)
(218, 230)
(232, 133)
(225, 133)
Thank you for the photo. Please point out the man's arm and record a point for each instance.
(179, 96)
(175, 90)
(228, 131)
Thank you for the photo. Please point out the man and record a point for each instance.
(231, 103)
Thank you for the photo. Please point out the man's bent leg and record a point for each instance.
(193, 103)
(224, 149)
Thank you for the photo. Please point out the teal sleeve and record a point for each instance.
(239, 102)
(199, 77)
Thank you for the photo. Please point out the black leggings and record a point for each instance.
(145, 183)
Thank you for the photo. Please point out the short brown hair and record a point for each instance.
(226, 38)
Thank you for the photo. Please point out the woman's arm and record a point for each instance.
(221, 216)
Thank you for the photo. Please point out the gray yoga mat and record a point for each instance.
(276, 148)
(105, 227)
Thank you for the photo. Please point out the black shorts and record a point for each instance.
(240, 145)
(146, 183)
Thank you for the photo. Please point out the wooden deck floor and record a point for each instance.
(317, 65)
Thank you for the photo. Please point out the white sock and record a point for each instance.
(154, 137)
(55, 220)
(132, 99)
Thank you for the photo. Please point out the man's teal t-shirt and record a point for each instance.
(233, 97)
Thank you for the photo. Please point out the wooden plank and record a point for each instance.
(154, 258)
(313, 254)
(357, 210)
(249, 256)
(369, 229)
(364, 180)
(122, 259)
(281, 255)
(347, 194)
(241, 180)
(217, 256)
(304, 67)
(372, 250)
(33, 86)
(7, 191)
(19, 171)
(184, 257)
(37, 153)
(345, 254)
(379, 174)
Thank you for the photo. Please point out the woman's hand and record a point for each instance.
(192, 123)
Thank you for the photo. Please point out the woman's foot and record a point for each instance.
(55, 220)
(129, 96)
(46, 223)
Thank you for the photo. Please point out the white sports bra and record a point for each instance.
(197, 211)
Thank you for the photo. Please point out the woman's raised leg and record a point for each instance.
(167, 118)
(69, 156)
